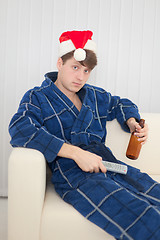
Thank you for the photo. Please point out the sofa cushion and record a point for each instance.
(61, 221)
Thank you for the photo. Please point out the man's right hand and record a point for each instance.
(87, 161)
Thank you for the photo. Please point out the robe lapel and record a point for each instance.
(79, 132)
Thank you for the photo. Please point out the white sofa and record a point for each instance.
(36, 212)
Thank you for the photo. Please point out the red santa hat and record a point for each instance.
(78, 41)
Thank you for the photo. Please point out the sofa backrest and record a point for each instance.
(149, 158)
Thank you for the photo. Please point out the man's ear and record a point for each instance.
(59, 63)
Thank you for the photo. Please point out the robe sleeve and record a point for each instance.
(27, 130)
(122, 109)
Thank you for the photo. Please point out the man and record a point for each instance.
(66, 119)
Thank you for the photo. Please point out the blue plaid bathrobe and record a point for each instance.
(127, 207)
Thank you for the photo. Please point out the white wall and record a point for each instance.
(127, 33)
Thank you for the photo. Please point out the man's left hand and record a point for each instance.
(141, 133)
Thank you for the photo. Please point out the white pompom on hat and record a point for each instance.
(76, 41)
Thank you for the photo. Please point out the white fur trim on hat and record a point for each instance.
(66, 47)
(79, 54)
(90, 45)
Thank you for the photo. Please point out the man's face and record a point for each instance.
(71, 76)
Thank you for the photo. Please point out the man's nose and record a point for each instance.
(80, 75)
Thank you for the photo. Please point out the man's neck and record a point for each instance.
(71, 95)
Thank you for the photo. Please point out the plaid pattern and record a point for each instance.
(46, 119)
(111, 201)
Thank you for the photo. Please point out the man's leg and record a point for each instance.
(117, 208)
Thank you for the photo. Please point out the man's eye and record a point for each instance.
(87, 71)
(75, 67)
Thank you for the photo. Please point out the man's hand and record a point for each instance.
(87, 161)
(141, 133)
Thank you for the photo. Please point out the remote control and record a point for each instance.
(115, 167)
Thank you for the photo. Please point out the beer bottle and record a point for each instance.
(134, 146)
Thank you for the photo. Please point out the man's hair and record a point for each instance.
(89, 62)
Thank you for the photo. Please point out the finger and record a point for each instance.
(143, 139)
(142, 143)
(103, 168)
(96, 170)
(135, 127)
(144, 129)
(141, 133)
(138, 127)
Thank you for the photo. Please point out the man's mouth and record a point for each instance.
(77, 84)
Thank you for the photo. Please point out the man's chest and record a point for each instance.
(77, 102)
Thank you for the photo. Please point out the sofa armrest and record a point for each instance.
(26, 192)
